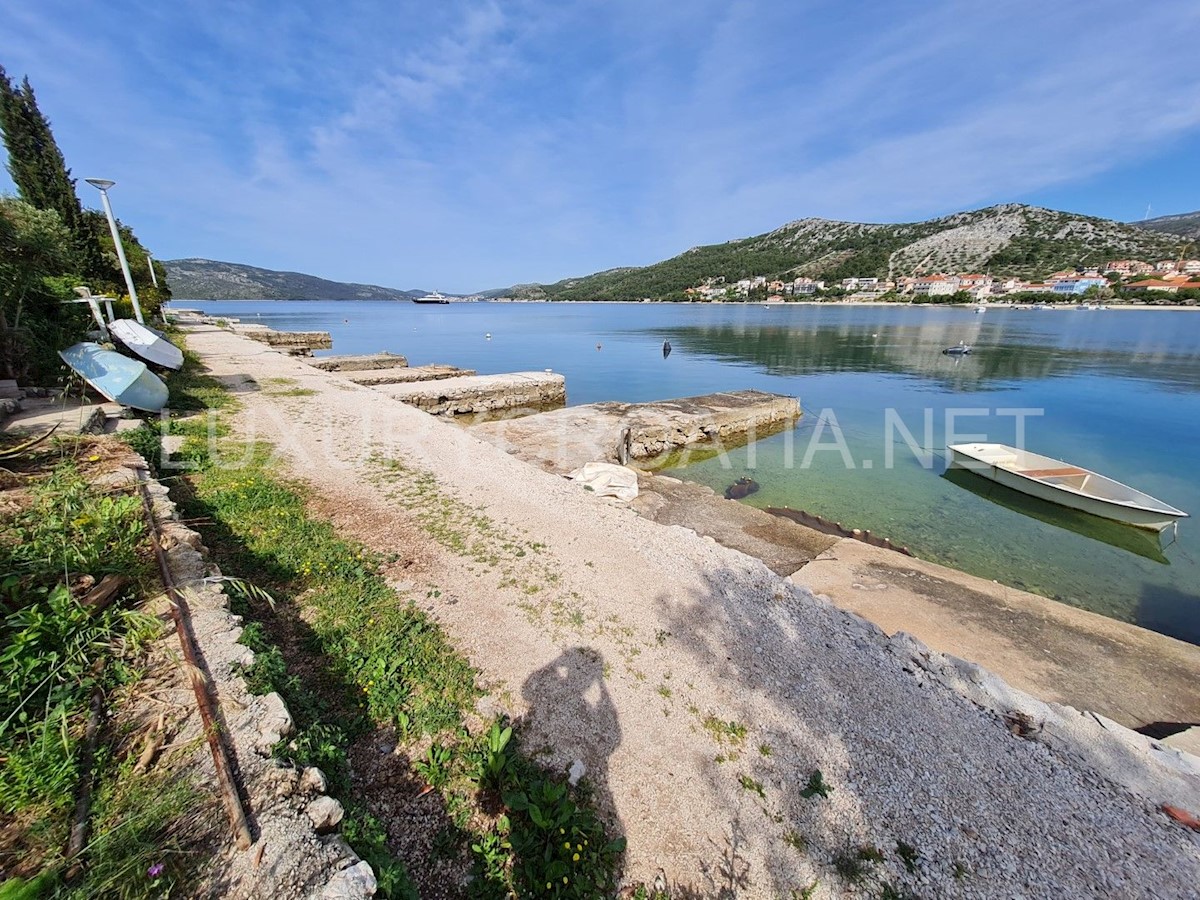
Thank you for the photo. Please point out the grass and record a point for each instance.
(350, 656)
(57, 653)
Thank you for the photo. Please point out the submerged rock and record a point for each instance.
(743, 487)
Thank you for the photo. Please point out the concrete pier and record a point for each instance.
(475, 394)
(646, 433)
(406, 375)
(359, 363)
(297, 343)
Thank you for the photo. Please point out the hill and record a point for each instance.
(1011, 239)
(207, 279)
(1186, 225)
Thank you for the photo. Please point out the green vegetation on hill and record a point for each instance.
(1011, 239)
(207, 279)
(1185, 225)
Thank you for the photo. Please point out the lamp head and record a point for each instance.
(102, 183)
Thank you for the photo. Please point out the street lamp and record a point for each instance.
(103, 184)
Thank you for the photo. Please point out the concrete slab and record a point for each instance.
(646, 433)
(406, 375)
(72, 415)
(476, 394)
(1056, 652)
(782, 544)
(362, 362)
(299, 343)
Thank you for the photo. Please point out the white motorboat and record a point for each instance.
(1067, 485)
(147, 343)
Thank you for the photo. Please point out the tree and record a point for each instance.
(39, 171)
(35, 252)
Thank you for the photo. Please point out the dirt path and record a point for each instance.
(701, 690)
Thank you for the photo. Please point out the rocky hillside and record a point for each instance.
(207, 279)
(1186, 225)
(1011, 239)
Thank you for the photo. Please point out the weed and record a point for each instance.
(909, 855)
(890, 892)
(496, 763)
(807, 892)
(364, 833)
(664, 692)
(749, 784)
(435, 767)
(796, 841)
(725, 732)
(961, 871)
(816, 786)
(764, 749)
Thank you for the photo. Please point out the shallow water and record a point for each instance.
(1114, 391)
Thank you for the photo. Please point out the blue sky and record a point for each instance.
(477, 144)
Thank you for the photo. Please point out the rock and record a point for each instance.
(576, 772)
(743, 487)
(351, 884)
(312, 781)
(274, 723)
(325, 814)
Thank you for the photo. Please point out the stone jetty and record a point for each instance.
(406, 375)
(646, 433)
(296, 343)
(476, 394)
(361, 363)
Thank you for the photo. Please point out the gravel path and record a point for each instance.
(701, 690)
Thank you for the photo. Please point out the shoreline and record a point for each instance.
(898, 304)
(687, 632)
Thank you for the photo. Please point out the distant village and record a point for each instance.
(1166, 276)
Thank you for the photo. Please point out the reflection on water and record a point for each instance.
(1144, 543)
(1116, 392)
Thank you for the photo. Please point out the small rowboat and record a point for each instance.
(147, 343)
(119, 378)
(1067, 485)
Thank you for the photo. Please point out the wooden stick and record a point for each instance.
(183, 627)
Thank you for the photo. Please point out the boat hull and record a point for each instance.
(119, 378)
(1125, 504)
(147, 344)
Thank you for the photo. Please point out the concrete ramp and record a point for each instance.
(646, 433)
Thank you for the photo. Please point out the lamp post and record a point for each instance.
(102, 185)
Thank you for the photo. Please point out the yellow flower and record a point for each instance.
(567, 845)
(565, 880)
(575, 858)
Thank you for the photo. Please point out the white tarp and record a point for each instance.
(607, 480)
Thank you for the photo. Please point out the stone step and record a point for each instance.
(476, 394)
(364, 362)
(410, 375)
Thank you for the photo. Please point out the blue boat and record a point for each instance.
(119, 378)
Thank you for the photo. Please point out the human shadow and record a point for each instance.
(572, 719)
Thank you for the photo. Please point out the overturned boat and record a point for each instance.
(1067, 485)
(119, 378)
(147, 343)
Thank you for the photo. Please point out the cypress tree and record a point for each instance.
(39, 171)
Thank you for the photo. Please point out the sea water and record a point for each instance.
(1116, 391)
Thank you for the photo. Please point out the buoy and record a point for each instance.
(597, 346)
(488, 335)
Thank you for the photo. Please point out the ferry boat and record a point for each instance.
(432, 297)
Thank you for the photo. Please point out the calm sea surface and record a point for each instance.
(1115, 391)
